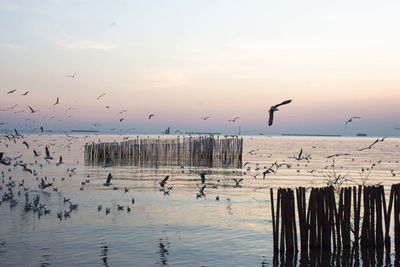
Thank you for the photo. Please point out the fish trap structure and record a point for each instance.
(346, 222)
(189, 151)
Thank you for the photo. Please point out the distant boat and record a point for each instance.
(361, 134)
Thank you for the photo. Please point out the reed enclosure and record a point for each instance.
(356, 218)
(180, 151)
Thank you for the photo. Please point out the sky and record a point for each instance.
(185, 59)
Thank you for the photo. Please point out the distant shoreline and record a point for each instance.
(300, 134)
(84, 131)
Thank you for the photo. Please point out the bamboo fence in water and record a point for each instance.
(357, 218)
(180, 151)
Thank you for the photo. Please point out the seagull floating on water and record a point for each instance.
(108, 181)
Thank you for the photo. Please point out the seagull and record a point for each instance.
(234, 119)
(71, 76)
(269, 170)
(108, 181)
(300, 156)
(164, 181)
(12, 91)
(48, 156)
(26, 169)
(370, 146)
(337, 155)
(57, 102)
(203, 177)
(351, 119)
(44, 185)
(26, 144)
(100, 96)
(238, 182)
(36, 153)
(275, 108)
(201, 190)
(205, 118)
(121, 119)
(25, 93)
(32, 110)
(60, 161)
(151, 115)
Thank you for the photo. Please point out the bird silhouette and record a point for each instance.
(238, 182)
(351, 119)
(108, 180)
(164, 181)
(57, 101)
(370, 146)
(275, 108)
(72, 76)
(32, 110)
(100, 96)
(48, 156)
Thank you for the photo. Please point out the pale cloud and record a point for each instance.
(163, 78)
(12, 46)
(85, 44)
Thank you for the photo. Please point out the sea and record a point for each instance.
(227, 226)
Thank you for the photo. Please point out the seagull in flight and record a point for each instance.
(12, 91)
(151, 115)
(238, 182)
(71, 76)
(25, 93)
(100, 96)
(275, 108)
(370, 146)
(337, 155)
(57, 101)
(351, 119)
(300, 156)
(205, 118)
(234, 119)
(32, 110)
(48, 156)
(164, 181)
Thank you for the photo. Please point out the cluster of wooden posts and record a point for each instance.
(336, 221)
(225, 152)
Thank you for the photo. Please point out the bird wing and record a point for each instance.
(31, 109)
(284, 103)
(47, 152)
(301, 152)
(1, 155)
(165, 179)
(271, 117)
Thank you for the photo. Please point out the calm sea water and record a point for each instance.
(178, 229)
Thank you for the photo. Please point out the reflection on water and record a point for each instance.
(163, 251)
(228, 225)
(104, 254)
